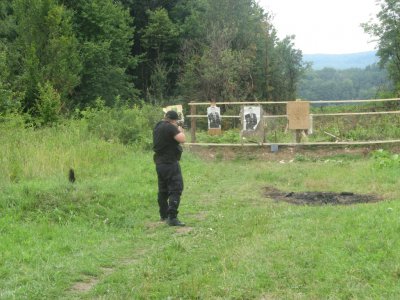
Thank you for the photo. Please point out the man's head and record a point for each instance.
(172, 116)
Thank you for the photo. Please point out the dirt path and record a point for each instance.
(284, 153)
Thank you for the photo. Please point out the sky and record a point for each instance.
(324, 26)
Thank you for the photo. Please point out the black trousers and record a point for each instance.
(170, 187)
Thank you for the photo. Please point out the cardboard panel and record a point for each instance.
(298, 113)
(214, 131)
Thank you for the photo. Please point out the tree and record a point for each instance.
(160, 40)
(160, 34)
(7, 21)
(217, 72)
(387, 31)
(149, 19)
(286, 67)
(225, 49)
(48, 104)
(104, 30)
(10, 100)
(45, 49)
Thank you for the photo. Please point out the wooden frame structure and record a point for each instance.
(193, 115)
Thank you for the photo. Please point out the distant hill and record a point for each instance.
(341, 61)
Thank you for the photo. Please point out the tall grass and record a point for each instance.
(27, 153)
(30, 153)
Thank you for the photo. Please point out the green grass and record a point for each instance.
(103, 231)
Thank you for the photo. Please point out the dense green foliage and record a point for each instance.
(131, 50)
(332, 84)
(387, 31)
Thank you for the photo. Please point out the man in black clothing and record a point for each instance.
(167, 137)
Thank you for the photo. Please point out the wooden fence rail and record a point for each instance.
(193, 115)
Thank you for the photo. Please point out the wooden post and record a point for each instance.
(193, 124)
(298, 135)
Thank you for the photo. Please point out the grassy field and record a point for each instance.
(100, 238)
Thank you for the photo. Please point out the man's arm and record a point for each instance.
(180, 137)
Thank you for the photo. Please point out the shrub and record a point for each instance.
(384, 158)
(128, 125)
(229, 136)
(48, 105)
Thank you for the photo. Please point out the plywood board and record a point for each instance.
(214, 131)
(298, 113)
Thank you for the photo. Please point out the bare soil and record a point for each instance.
(284, 153)
(90, 282)
(86, 285)
(319, 198)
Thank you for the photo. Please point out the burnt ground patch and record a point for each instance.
(320, 198)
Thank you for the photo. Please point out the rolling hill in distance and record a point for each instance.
(341, 61)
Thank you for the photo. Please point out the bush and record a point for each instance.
(13, 121)
(128, 125)
(48, 105)
(229, 136)
(384, 158)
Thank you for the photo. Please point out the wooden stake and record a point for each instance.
(193, 124)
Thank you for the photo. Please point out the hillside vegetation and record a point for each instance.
(359, 60)
(333, 84)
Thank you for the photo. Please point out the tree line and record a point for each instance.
(65, 54)
(347, 84)
(59, 55)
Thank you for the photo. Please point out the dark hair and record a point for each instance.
(172, 115)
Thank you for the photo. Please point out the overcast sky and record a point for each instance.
(324, 26)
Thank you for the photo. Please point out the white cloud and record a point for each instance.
(324, 26)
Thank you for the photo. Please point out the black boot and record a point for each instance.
(174, 222)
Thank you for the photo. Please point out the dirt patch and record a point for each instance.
(285, 153)
(200, 216)
(85, 286)
(129, 261)
(138, 255)
(319, 198)
(90, 282)
(107, 271)
(152, 225)
(183, 230)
